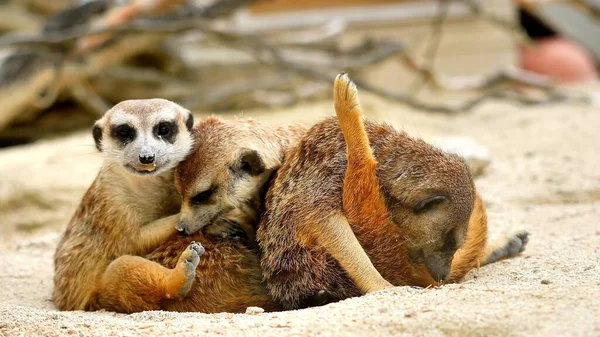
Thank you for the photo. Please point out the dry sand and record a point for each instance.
(544, 177)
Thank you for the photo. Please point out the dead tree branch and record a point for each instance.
(94, 60)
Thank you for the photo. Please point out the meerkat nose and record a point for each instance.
(146, 159)
(181, 229)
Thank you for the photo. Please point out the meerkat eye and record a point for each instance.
(164, 129)
(429, 203)
(124, 133)
(201, 197)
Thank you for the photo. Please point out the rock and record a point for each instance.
(476, 155)
(254, 310)
(546, 282)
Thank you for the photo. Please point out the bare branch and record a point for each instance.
(293, 61)
(435, 40)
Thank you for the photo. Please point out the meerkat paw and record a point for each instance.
(508, 246)
(188, 261)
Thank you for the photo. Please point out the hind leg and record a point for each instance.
(509, 245)
(133, 284)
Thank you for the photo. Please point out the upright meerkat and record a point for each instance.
(130, 210)
(382, 209)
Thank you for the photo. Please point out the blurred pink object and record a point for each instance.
(558, 58)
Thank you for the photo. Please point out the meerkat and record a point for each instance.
(130, 208)
(230, 168)
(365, 207)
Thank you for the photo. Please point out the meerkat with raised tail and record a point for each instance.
(367, 206)
(362, 207)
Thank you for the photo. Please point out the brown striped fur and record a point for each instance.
(99, 261)
(372, 181)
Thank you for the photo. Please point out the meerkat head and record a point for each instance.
(228, 167)
(145, 136)
(430, 195)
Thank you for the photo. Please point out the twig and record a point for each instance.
(512, 28)
(87, 98)
(199, 20)
(259, 45)
(126, 13)
(139, 26)
(230, 91)
(435, 40)
(272, 53)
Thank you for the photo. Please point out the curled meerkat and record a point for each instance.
(366, 205)
(363, 207)
(229, 169)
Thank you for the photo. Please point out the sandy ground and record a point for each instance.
(544, 177)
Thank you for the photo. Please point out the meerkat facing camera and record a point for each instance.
(130, 208)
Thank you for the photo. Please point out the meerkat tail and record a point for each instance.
(349, 114)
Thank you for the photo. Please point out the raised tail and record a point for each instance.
(362, 201)
(349, 114)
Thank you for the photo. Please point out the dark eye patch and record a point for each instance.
(166, 131)
(124, 133)
(449, 242)
(202, 197)
(429, 203)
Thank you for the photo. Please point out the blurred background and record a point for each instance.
(64, 62)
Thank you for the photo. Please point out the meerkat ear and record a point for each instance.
(250, 162)
(189, 123)
(97, 133)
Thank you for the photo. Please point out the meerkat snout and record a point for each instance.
(146, 155)
(438, 266)
(181, 229)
